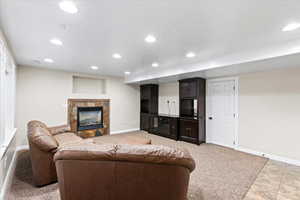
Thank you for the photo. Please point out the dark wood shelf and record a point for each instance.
(192, 110)
(149, 105)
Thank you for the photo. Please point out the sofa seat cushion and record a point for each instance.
(67, 138)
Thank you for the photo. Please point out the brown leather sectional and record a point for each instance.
(44, 142)
(108, 169)
(123, 172)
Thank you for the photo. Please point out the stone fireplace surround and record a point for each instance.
(73, 104)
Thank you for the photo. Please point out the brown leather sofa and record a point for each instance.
(123, 172)
(44, 142)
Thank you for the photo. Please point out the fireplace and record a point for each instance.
(89, 118)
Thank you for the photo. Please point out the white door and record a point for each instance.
(221, 112)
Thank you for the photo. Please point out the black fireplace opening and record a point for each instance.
(89, 118)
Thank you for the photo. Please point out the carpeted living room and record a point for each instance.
(144, 100)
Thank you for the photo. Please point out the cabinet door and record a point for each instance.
(189, 130)
(174, 128)
(164, 126)
(145, 92)
(188, 89)
(145, 122)
(154, 124)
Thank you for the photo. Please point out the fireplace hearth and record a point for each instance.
(89, 118)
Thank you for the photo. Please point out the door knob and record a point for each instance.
(210, 118)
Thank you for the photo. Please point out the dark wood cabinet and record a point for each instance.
(149, 99)
(145, 122)
(192, 110)
(189, 126)
(149, 106)
(168, 126)
(189, 130)
(165, 125)
(148, 122)
(174, 125)
(188, 88)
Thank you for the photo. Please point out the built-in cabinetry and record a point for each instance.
(149, 105)
(189, 126)
(166, 126)
(192, 110)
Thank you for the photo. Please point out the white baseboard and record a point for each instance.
(220, 144)
(124, 131)
(270, 156)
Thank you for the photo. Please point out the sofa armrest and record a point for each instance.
(55, 130)
(41, 139)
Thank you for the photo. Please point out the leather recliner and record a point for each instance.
(43, 143)
(123, 172)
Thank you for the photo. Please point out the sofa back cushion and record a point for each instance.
(39, 135)
(130, 153)
(67, 138)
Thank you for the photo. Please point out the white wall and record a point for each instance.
(269, 112)
(7, 91)
(169, 92)
(42, 95)
(7, 112)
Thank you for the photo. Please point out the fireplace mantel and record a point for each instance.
(73, 104)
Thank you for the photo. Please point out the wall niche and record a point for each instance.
(88, 85)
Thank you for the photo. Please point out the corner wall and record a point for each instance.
(42, 95)
(269, 112)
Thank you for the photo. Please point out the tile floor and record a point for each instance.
(276, 181)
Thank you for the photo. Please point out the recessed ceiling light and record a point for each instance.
(68, 6)
(291, 27)
(155, 64)
(94, 67)
(56, 41)
(127, 73)
(48, 60)
(116, 56)
(150, 39)
(190, 55)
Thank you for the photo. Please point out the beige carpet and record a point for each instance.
(220, 174)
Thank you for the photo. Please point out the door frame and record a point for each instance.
(236, 108)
